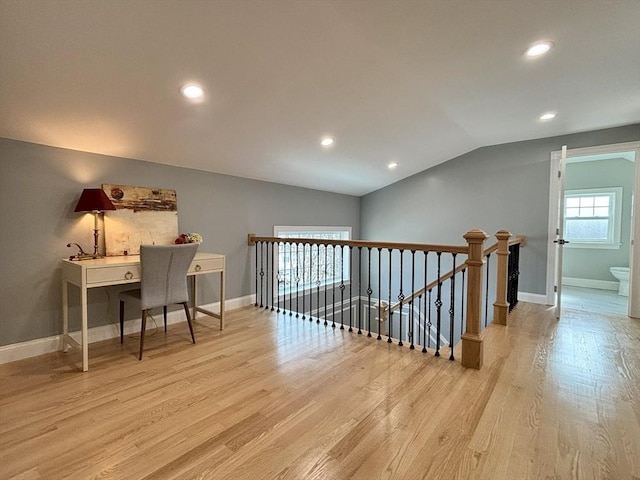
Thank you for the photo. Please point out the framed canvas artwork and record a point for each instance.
(143, 215)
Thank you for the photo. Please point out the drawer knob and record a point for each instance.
(128, 276)
(198, 268)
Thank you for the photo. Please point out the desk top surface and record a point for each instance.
(127, 260)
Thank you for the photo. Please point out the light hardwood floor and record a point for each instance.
(278, 397)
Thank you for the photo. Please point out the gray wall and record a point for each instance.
(501, 186)
(594, 263)
(40, 185)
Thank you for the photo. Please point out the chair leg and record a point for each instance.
(121, 321)
(186, 310)
(164, 312)
(142, 330)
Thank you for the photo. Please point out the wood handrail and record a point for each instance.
(429, 286)
(512, 241)
(491, 249)
(418, 247)
(521, 239)
(443, 278)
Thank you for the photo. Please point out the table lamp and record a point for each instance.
(96, 201)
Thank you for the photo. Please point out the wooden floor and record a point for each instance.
(277, 397)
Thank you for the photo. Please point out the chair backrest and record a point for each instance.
(164, 274)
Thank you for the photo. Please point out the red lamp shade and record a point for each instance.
(93, 200)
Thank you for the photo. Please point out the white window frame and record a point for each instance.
(615, 218)
(305, 231)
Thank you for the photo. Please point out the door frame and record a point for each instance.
(634, 261)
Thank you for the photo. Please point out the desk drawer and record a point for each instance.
(206, 265)
(119, 274)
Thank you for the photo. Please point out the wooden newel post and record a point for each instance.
(501, 306)
(472, 341)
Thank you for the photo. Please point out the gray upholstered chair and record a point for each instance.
(163, 282)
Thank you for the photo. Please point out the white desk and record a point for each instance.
(104, 272)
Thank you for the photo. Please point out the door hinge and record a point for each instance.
(555, 289)
(557, 231)
(559, 174)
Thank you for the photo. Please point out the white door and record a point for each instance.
(559, 240)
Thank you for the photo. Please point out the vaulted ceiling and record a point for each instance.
(416, 82)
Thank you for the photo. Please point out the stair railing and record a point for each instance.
(353, 284)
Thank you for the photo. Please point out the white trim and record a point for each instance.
(305, 229)
(598, 150)
(40, 346)
(602, 156)
(533, 298)
(590, 283)
(597, 246)
(310, 228)
(614, 219)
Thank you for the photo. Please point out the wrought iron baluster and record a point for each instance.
(510, 277)
(350, 289)
(341, 287)
(513, 274)
(369, 292)
(297, 282)
(318, 285)
(256, 302)
(287, 277)
(426, 305)
(400, 299)
(261, 272)
(438, 307)
(310, 282)
(279, 276)
(266, 304)
(429, 320)
(380, 315)
(486, 293)
(359, 290)
(462, 311)
(271, 279)
(283, 274)
(291, 278)
(333, 287)
(424, 326)
(452, 309)
(304, 288)
(389, 320)
(412, 324)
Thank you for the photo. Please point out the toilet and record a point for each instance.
(622, 274)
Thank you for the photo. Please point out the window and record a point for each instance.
(592, 217)
(311, 266)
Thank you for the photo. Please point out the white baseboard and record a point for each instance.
(533, 298)
(590, 283)
(40, 346)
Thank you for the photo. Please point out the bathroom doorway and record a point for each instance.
(597, 229)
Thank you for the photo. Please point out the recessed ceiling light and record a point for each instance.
(392, 165)
(327, 141)
(547, 116)
(192, 91)
(539, 48)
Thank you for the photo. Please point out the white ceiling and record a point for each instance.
(419, 82)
